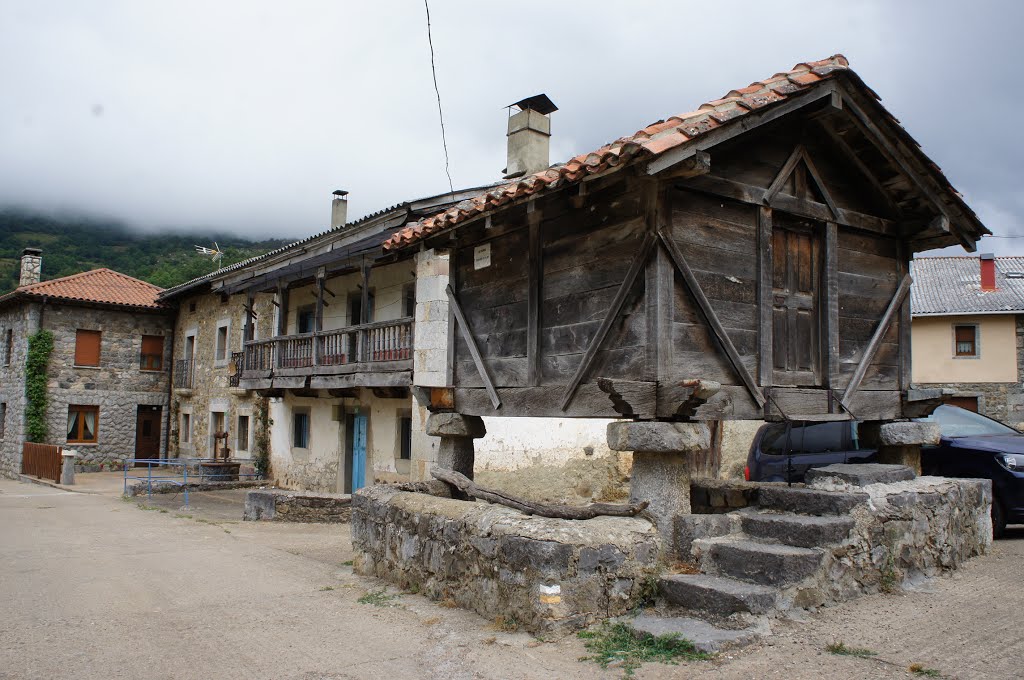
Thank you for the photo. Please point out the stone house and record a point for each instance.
(108, 374)
(968, 332)
(209, 334)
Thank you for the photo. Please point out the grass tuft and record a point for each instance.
(919, 669)
(617, 643)
(378, 598)
(840, 649)
(326, 588)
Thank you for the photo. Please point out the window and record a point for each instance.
(186, 428)
(152, 353)
(8, 346)
(305, 319)
(355, 309)
(808, 438)
(242, 441)
(221, 350)
(83, 423)
(300, 430)
(87, 348)
(3, 418)
(966, 341)
(405, 437)
(409, 300)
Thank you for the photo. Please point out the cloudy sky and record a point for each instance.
(244, 116)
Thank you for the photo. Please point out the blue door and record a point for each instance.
(358, 452)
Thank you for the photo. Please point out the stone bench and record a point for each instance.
(280, 505)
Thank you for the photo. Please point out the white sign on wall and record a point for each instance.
(482, 256)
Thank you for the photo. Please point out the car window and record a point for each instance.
(804, 438)
(957, 422)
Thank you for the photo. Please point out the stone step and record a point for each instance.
(705, 637)
(768, 564)
(716, 596)
(805, 531)
(808, 501)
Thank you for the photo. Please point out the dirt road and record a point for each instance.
(95, 587)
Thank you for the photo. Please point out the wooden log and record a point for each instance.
(468, 486)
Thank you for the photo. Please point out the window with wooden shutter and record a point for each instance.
(152, 353)
(87, 348)
(83, 424)
(966, 344)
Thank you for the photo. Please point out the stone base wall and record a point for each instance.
(1002, 401)
(296, 506)
(538, 573)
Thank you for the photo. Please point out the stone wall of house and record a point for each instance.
(539, 573)
(199, 316)
(21, 320)
(117, 386)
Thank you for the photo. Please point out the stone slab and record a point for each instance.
(297, 506)
(860, 474)
(808, 501)
(717, 596)
(657, 437)
(805, 531)
(455, 425)
(904, 434)
(767, 564)
(705, 637)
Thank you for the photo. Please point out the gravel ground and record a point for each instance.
(96, 587)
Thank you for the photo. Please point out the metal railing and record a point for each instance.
(379, 341)
(176, 472)
(183, 369)
(237, 359)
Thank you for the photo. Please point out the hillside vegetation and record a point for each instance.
(70, 246)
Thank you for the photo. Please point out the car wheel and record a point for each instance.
(998, 519)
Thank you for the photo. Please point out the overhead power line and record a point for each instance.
(440, 113)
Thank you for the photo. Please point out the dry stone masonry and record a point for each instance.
(297, 506)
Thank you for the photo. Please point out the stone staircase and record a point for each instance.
(755, 564)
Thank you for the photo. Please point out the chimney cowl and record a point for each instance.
(987, 262)
(31, 266)
(529, 136)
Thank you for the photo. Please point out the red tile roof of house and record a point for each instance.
(101, 286)
(652, 141)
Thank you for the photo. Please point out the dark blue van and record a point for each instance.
(808, 445)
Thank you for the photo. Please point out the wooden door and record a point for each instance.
(147, 433)
(796, 283)
(969, 403)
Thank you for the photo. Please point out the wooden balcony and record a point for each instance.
(375, 354)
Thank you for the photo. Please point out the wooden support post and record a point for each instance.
(613, 311)
(712, 319)
(765, 271)
(536, 275)
(869, 353)
(247, 334)
(905, 326)
(318, 316)
(659, 288)
(282, 314)
(365, 302)
(467, 335)
(831, 325)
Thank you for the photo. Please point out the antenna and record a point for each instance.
(215, 253)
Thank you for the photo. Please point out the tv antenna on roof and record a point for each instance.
(215, 253)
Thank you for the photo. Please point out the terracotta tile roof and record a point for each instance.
(952, 285)
(651, 141)
(103, 286)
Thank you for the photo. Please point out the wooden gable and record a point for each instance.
(773, 263)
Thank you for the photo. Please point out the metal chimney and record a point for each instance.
(529, 136)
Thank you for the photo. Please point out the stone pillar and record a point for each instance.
(67, 470)
(457, 433)
(661, 471)
(900, 443)
(430, 354)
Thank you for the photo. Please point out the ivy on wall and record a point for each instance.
(40, 345)
(261, 438)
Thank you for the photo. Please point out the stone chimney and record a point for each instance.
(529, 136)
(31, 266)
(988, 271)
(339, 209)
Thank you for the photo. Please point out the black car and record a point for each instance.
(971, 446)
(810, 445)
(981, 448)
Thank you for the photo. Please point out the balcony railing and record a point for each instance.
(367, 343)
(183, 374)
